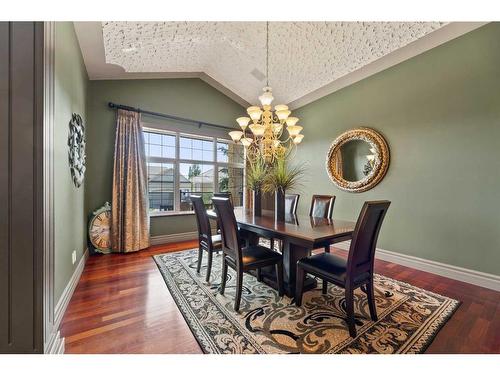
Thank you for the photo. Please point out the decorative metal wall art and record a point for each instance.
(76, 152)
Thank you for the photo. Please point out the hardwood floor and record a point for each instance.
(122, 305)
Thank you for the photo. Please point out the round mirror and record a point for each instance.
(358, 160)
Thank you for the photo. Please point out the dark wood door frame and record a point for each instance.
(21, 187)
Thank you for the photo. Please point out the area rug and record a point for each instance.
(408, 317)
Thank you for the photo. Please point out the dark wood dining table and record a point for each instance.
(300, 235)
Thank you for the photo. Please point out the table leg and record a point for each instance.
(292, 253)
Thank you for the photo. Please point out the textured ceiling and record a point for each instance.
(303, 56)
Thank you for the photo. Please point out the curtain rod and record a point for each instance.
(167, 116)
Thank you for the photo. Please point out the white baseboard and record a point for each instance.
(485, 280)
(63, 302)
(55, 344)
(177, 237)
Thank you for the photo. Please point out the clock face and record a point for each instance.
(99, 231)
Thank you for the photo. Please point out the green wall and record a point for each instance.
(190, 98)
(70, 96)
(440, 114)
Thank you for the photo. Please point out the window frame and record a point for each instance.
(177, 161)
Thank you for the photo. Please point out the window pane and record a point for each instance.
(229, 153)
(196, 149)
(231, 181)
(159, 145)
(195, 179)
(161, 186)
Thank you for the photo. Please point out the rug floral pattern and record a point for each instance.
(408, 317)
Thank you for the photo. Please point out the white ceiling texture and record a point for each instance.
(307, 60)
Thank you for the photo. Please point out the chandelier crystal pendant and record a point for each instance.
(263, 132)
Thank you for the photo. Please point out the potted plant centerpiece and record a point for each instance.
(256, 173)
(280, 178)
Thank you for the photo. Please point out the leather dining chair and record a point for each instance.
(225, 195)
(291, 205)
(206, 241)
(322, 206)
(357, 270)
(242, 259)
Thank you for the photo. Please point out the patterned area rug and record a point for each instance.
(409, 317)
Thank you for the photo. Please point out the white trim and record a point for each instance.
(444, 34)
(63, 302)
(55, 345)
(177, 237)
(485, 280)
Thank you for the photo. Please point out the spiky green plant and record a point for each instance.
(256, 174)
(282, 176)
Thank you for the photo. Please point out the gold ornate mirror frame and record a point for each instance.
(381, 162)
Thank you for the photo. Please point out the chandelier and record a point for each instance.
(263, 132)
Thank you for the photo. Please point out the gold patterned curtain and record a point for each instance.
(129, 216)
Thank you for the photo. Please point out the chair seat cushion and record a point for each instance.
(255, 255)
(329, 266)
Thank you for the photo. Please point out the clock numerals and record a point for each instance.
(99, 230)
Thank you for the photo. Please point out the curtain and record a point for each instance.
(129, 215)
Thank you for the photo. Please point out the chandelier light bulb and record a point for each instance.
(294, 130)
(283, 114)
(298, 138)
(277, 127)
(291, 121)
(246, 141)
(257, 130)
(281, 107)
(243, 122)
(266, 98)
(236, 135)
(254, 112)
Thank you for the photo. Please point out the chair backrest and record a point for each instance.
(364, 239)
(229, 228)
(225, 195)
(322, 206)
(291, 203)
(204, 230)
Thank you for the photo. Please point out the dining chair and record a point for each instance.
(225, 195)
(291, 204)
(206, 241)
(357, 270)
(322, 206)
(242, 259)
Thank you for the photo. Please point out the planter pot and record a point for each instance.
(279, 205)
(257, 202)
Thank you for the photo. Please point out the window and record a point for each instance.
(179, 165)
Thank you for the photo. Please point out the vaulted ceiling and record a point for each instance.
(304, 57)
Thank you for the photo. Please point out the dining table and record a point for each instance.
(300, 234)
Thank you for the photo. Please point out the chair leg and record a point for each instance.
(299, 286)
(259, 275)
(371, 300)
(200, 256)
(239, 288)
(349, 303)
(327, 249)
(272, 244)
(279, 276)
(224, 275)
(209, 265)
(325, 287)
